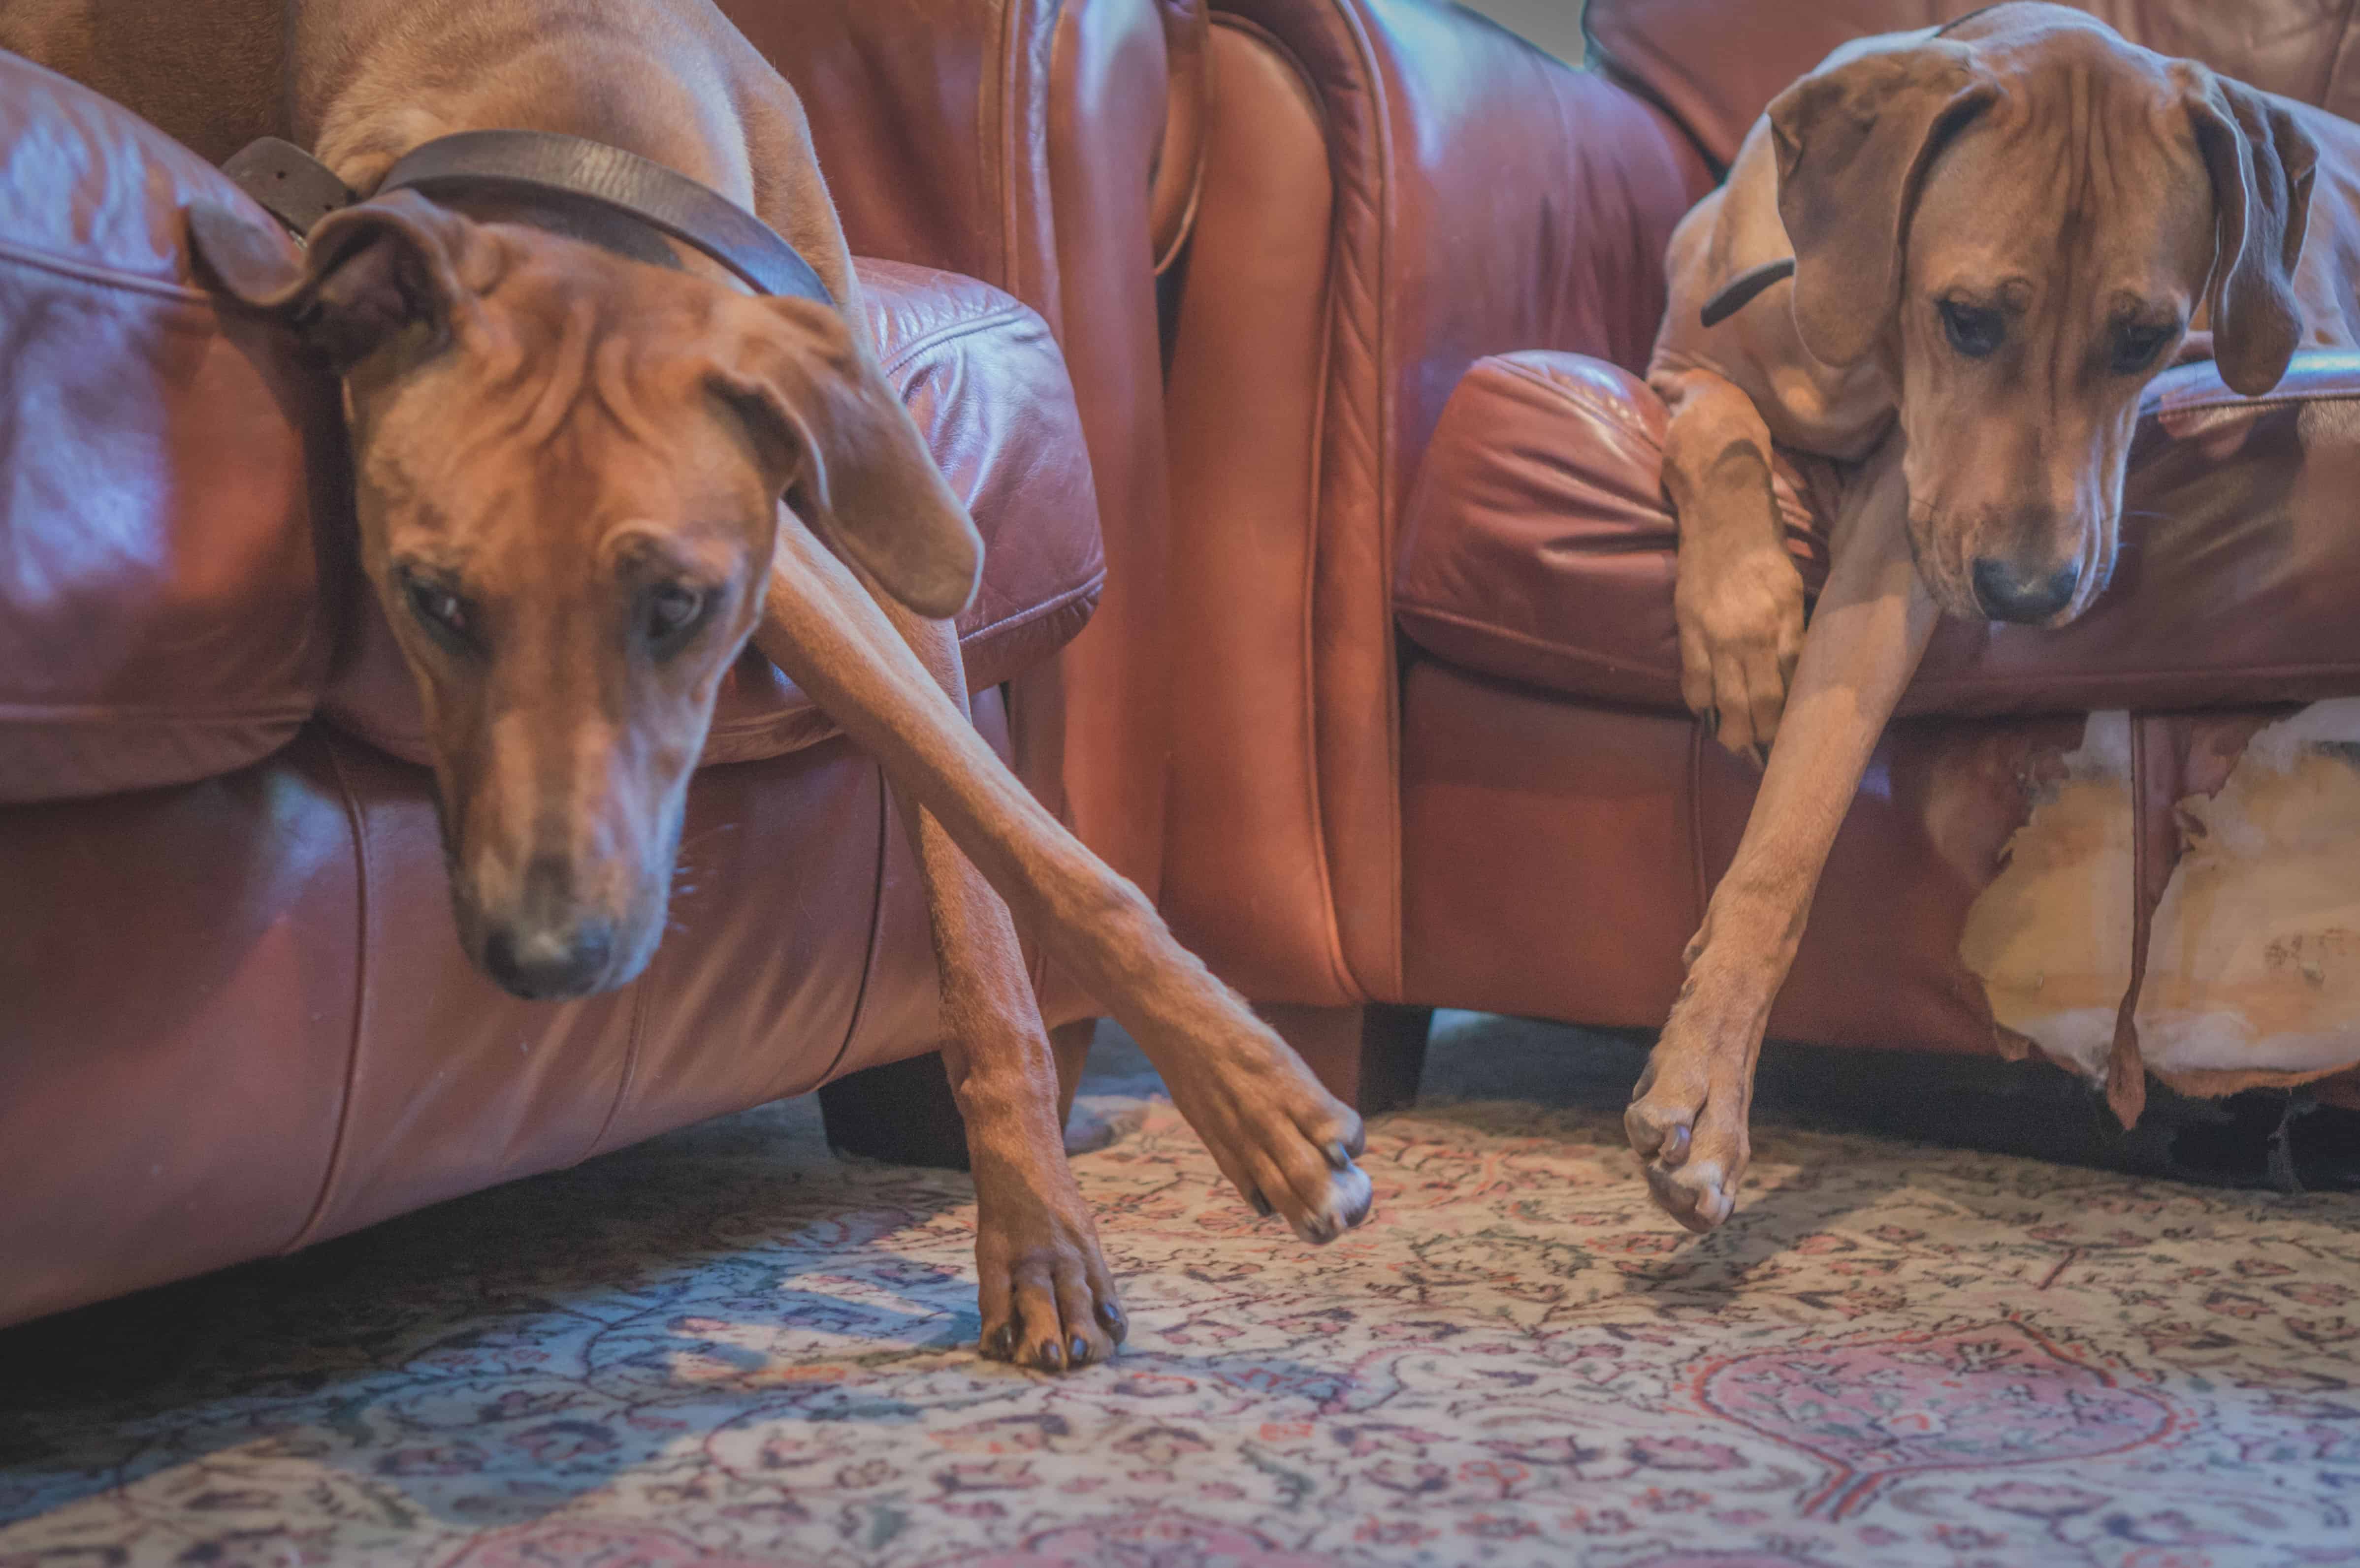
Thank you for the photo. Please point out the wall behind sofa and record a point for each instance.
(1555, 25)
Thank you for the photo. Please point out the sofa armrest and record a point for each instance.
(164, 465)
(1392, 190)
(1540, 549)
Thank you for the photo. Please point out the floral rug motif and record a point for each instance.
(727, 1349)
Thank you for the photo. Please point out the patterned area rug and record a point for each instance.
(727, 1348)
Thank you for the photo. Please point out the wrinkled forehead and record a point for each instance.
(2084, 179)
(546, 450)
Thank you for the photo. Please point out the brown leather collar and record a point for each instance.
(298, 190)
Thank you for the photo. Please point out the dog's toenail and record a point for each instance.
(1676, 1145)
(1003, 1342)
(1337, 1157)
(1260, 1205)
(1110, 1316)
(1052, 1355)
(1078, 1353)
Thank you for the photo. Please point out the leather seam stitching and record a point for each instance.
(1096, 583)
(1002, 137)
(1316, 456)
(356, 821)
(640, 1001)
(1606, 411)
(1014, 311)
(106, 277)
(886, 825)
(1388, 497)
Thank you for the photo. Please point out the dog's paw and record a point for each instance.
(1046, 1297)
(1687, 1121)
(1286, 1144)
(1740, 615)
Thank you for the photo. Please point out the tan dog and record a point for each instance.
(2000, 231)
(570, 466)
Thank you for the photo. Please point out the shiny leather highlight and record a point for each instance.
(163, 467)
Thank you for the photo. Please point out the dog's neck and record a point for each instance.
(609, 230)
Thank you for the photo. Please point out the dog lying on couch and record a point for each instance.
(1951, 260)
(572, 430)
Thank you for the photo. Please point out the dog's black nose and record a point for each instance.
(543, 965)
(551, 949)
(2008, 596)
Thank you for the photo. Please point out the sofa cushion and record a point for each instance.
(1539, 548)
(985, 380)
(159, 617)
(1716, 64)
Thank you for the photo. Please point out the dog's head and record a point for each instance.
(2023, 219)
(568, 469)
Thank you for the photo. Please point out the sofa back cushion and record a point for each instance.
(1716, 64)
(160, 616)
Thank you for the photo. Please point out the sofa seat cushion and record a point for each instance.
(988, 388)
(1538, 547)
(159, 611)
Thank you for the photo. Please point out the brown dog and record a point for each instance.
(2000, 231)
(570, 465)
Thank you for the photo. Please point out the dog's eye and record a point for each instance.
(673, 612)
(2135, 346)
(441, 611)
(1973, 330)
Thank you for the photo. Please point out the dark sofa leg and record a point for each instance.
(1370, 1057)
(904, 1111)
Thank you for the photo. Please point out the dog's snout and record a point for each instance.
(551, 948)
(2007, 593)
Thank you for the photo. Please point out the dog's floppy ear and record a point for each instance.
(1853, 144)
(831, 428)
(369, 271)
(2262, 165)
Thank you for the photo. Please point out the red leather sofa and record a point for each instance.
(1431, 751)
(234, 1018)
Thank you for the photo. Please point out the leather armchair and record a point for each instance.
(1434, 753)
(1392, 190)
(234, 1018)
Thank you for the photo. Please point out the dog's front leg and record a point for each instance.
(1687, 1117)
(1737, 598)
(1282, 1140)
(1045, 1294)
